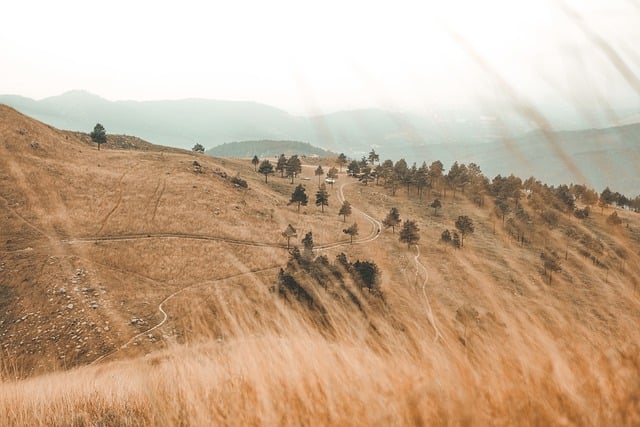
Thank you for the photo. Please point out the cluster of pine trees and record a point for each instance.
(506, 192)
(308, 279)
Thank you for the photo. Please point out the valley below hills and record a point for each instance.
(143, 284)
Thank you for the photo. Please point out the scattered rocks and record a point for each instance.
(197, 168)
(137, 321)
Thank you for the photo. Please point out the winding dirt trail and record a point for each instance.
(373, 235)
(430, 315)
(376, 225)
(149, 236)
(165, 316)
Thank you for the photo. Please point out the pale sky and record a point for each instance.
(314, 57)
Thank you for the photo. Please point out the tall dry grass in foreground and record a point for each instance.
(371, 367)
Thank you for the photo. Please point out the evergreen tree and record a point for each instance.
(502, 206)
(333, 173)
(293, 167)
(281, 166)
(550, 262)
(322, 197)
(352, 231)
(198, 148)
(401, 172)
(392, 219)
(373, 157)
(345, 210)
(288, 233)
(341, 161)
(307, 244)
(422, 178)
(354, 167)
(319, 172)
(455, 239)
(299, 196)
(435, 173)
(464, 224)
(266, 168)
(409, 233)
(99, 135)
(369, 273)
(255, 162)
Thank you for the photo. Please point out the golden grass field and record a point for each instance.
(92, 242)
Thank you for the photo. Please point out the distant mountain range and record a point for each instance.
(182, 123)
(504, 145)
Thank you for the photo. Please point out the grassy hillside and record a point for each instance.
(137, 291)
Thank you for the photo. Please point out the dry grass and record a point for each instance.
(514, 349)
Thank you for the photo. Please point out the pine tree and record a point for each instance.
(550, 262)
(99, 135)
(341, 161)
(255, 162)
(352, 231)
(322, 197)
(281, 166)
(409, 233)
(288, 233)
(373, 157)
(266, 168)
(345, 210)
(464, 224)
(392, 219)
(299, 196)
(307, 244)
(319, 172)
(293, 167)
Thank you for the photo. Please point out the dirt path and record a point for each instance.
(165, 316)
(430, 315)
(375, 224)
(149, 236)
(103, 223)
(162, 186)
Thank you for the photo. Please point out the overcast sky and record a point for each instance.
(312, 57)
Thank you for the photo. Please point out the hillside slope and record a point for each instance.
(136, 290)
